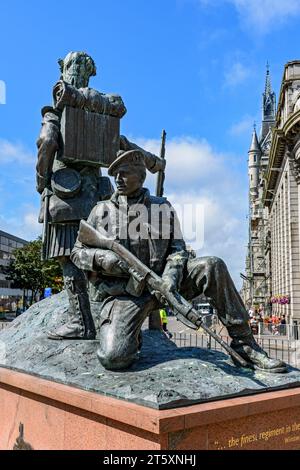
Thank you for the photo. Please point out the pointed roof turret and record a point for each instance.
(254, 147)
(268, 86)
(268, 106)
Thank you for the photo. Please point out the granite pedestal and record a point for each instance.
(59, 397)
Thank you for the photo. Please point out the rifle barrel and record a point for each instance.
(159, 192)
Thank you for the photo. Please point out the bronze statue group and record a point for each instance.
(80, 135)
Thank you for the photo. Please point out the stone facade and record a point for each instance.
(281, 195)
(256, 286)
(274, 207)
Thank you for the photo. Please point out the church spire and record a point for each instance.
(268, 87)
(268, 106)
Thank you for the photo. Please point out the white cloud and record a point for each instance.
(196, 173)
(261, 16)
(224, 228)
(243, 126)
(15, 153)
(190, 161)
(31, 223)
(18, 197)
(2, 92)
(237, 74)
(23, 224)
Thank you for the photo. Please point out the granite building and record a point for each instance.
(257, 283)
(281, 197)
(274, 178)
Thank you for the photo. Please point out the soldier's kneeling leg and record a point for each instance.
(121, 320)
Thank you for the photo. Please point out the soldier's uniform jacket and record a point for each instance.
(159, 254)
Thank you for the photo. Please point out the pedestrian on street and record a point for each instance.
(164, 322)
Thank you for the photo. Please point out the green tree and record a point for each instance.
(29, 272)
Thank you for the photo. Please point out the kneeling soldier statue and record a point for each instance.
(131, 220)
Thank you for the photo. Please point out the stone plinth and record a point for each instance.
(56, 395)
(163, 377)
(57, 416)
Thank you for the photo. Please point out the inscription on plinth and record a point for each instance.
(258, 432)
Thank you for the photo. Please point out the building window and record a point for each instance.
(12, 243)
(4, 240)
(4, 284)
(254, 158)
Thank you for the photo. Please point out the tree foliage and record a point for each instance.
(28, 271)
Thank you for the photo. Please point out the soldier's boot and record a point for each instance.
(244, 344)
(81, 323)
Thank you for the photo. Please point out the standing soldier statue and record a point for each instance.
(80, 134)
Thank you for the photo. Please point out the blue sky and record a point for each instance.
(193, 67)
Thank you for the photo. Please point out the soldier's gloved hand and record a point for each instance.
(154, 163)
(170, 284)
(109, 262)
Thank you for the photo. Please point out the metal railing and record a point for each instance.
(291, 331)
(286, 348)
(278, 348)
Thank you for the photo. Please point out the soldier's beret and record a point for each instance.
(131, 157)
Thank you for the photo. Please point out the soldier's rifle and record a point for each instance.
(159, 192)
(130, 263)
(154, 317)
